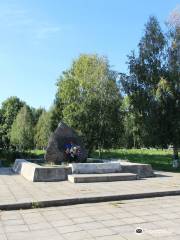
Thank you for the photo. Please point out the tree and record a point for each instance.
(36, 113)
(132, 134)
(145, 72)
(9, 111)
(22, 133)
(153, 85)
(43, 130)
(56, 113)
(89, 101)
(168, 92)
(1, 132)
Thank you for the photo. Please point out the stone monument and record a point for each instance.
(62, 137)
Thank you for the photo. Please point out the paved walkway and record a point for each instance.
(159, 219)
(15, 189)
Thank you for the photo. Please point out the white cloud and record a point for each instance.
(20, 20)
(45, 31)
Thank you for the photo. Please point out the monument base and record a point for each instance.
(83, 172)
(83, 168)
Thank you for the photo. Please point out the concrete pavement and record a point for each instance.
(159, 219)
(16, 191)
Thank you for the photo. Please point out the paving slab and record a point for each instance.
(98, 221)
(16, 192)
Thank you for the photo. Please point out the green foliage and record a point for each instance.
(56, 114)
(8, 156)
(42, 132)
(146, 71)
(22, 133)
(153, 86)
(9, 110)
(1, 130)
(132, 129)
(89, 101)
(168, 93)
(36, 113)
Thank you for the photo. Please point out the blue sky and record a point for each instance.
(40, 38)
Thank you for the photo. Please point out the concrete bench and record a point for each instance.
(90, 168)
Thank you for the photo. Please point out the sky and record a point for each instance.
(40, 39)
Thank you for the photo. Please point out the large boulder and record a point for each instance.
(60, 138)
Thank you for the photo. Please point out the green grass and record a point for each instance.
(38, 153)
(159, 159)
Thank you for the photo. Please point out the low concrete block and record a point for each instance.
(25, 168)
(143, 170)
(108, 177)
(37, 173)
(90, 168)
(51, 174)
(17, 166)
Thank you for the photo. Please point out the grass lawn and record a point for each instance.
(159, 159)
(38, 153)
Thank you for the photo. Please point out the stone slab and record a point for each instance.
(37, 173)
(143, 170)
(108, 177)
(92, 168)
(25, 168)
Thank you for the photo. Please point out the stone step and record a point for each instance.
(95, 168)
(107, 177)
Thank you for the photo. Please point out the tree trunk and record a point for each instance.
(100, 152)
(134, 141)
(175, 157)
(175, 152)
